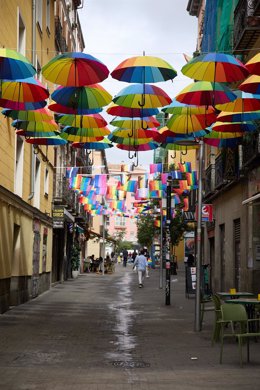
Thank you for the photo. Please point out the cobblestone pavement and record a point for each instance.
(102, 332)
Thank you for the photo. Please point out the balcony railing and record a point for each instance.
(246, 25)
(226, 168)
(210, 179)
(59, 38)
(251, 149)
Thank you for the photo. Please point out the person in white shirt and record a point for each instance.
(141, 264)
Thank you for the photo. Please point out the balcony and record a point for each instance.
(246, 25)
(251, 150)
(60, 41)
(226, 168)
(210, 179)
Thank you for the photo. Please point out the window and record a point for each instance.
(46, 182)
(48, 16)
(21, 35)
(119, 221)
(39, 13)
(18, 184)
(37, 182)
(38, 69)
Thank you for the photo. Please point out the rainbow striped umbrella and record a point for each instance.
(86, 121)
(238, 116)
(35, 126)
(54, 140)
(178, 108)
(135, 122)
(140, 136)
(189, 123)
(38, 134)
(42, 114)
(144, 69)
(251, 85)
(100, 145)
(26, 90)
(75, 69)
(23, 106)
(203, 93)
(233, 127)
(145, 96)
(117, 110)
(139, 148)
(82, 97)
(223, 139)
(215, 67)
(14, 65)
(244, 102)
(59, 108)
(253, 65)
(75, 134)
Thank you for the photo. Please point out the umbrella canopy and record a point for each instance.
(238, 116)
(233, 126)
(117, 110)
(251, 85)
(27, 90)
(135, 122)
(215, 67)
(170, 136)
(24, 106)
(144, 69)
(75, 134)
(55, 140)
(59, 108)
(203, 93)
(35, 126)
(180, 108)
(180, 148)
(140, 136)
(253, 65)
(244, 102)
(42, 114)
(38, 134)
(189, 123)
(86, 121)
(75, 69)
(82, 97)
(223, 140)
(14, 65)
(146, 96)
(101, 145)
(139, 148)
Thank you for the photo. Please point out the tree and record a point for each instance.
(178, 227)
(146, 230)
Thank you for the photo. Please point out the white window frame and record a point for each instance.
(39, 13)
(19, 165)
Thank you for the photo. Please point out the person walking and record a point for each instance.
(141, 264)
(125, 256)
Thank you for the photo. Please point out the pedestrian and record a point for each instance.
(190, 260)
(125, 256)
(134, 254)
(141, 264)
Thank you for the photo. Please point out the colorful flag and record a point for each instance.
(155, 168)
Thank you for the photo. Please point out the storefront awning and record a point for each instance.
(251, 199)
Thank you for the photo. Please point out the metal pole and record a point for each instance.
(167, 257)
(161, 249)
(103, 247)
(199, 246)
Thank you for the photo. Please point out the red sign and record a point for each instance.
(206, 213)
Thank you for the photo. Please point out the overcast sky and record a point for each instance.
(118, 29)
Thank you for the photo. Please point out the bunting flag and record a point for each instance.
(100, 181)
(121, 194)
(175, 174)
(142, 193)
(186, 167)
(85, 183)
(157, 223)
(111, 192)
(156, 194)
(71, 172)
(75, 182)
(155, 185)
(131, 186)
(156, 168)
(186, 204)
(101, 191)
(192, 178)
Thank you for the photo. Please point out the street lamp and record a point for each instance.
(168, 241)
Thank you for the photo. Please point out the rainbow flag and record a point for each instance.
(186, 167)
(100, 181)
(141, 193)
(131, 186)
(156, 168)
(71, 172)
(157, 223)
(192, 178)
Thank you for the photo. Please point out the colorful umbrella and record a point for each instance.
(170, 136)
(203, 93)
(59, 108)
(117, 110)
(180, 108)
(75, 70)
(215, 67)
(35, 126)
(101, 145)
(251, 85)
(27, 90)
(38, 134)
(14, 65)
(22, 106)
(86, 121)
(146, 96)
(82, 97)
(223, 140)
(41, 114)
(238, 116)
(233, 126)
(75, 134)
(253, 65)
(55, 140)
(189, 123)
(140, 136)
(139, 148)
(244, 102)
(135, 122)
(144, 69)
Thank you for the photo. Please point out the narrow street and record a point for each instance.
(103, 332)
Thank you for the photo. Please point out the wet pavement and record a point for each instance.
(102, 332)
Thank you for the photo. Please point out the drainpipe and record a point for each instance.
(33, 62)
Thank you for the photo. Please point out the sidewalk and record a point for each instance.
(102, 332)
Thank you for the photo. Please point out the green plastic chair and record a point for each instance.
(236, 316)
(217, 327)
(204, 301)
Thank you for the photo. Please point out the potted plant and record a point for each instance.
(75, 260)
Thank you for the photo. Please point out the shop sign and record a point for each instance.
(58, 217)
